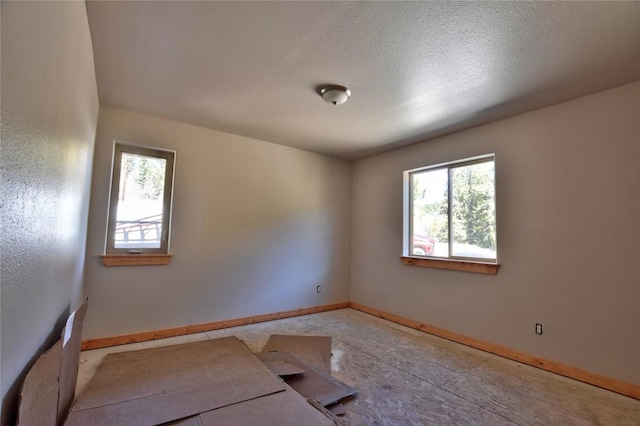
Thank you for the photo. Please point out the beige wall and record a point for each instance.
(49, 113)
(256, 227)
(568, 212)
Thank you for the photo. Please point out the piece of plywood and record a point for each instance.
(38, 404)
(312, 350)
(614, 385)
(286, 408)
(159, 385)
(314, 384)
(71, 342)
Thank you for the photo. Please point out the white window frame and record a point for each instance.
(170, 156)
(407, 241)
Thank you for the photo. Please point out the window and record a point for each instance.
(450, 211)
(140, 203)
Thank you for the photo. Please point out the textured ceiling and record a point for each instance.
(416, 69)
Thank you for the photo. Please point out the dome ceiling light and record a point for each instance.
(335, 95)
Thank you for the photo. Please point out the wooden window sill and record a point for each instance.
(456, 265)
(135, 259)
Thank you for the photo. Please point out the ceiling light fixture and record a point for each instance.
(335, 95)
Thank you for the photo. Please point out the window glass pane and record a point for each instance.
(140, 202)
(473, 224)
(429, 221)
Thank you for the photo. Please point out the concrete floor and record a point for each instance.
(406, 377)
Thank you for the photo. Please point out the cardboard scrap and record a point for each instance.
(159, 385)
(280, 409)
(314, 384)
(286, 408)
(314, 351)
(213, 382)
(315, 388)
(175, 403)
(48, 388)
(189, 421)
(337, 409)
(323, 410)
(283, 368)
(71, 346)
(38, 404)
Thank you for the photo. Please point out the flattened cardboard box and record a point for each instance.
(48, 388)
(314, 351)
(286, 408)
(280, 409)
(176, 384)
(283, 368)
(70, 358)
(314, 384)
(38, 404)
(159, 385)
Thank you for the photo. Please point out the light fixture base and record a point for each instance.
(335, 95)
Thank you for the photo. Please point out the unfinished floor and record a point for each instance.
(407, 377)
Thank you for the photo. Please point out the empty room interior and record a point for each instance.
(447, 192)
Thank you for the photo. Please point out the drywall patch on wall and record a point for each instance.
(256, 227)
(568, 212)
(49, 113)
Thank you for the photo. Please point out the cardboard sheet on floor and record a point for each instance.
(338, 409)
(190, 421)
(283, 368)
(286, 408)
(48, 388)
(312, 350)
(314, 384)
(159, 385)
(38, 404)
(71, 346)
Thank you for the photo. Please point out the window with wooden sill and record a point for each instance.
(139, 206)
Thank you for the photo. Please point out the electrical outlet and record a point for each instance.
(538, 328)
(318, 289)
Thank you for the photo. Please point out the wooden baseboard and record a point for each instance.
(199, 328)
(604, 382)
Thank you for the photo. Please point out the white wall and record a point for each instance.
(49, 113)
(256, 226)
(568, 212)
